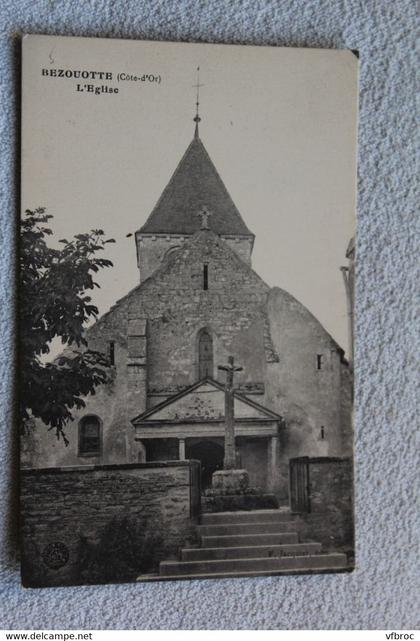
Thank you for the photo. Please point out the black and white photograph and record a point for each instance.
(187, 258)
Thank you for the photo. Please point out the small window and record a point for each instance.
(90, 436)
(111, 352)
(322, 432)
(319, 361)
(205, 276)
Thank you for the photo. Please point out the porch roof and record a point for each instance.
(204, 403)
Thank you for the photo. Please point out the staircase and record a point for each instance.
(254, 543)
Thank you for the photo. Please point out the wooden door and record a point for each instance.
(299, 485)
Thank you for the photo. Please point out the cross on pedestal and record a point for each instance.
(204, 213)
(230, 451)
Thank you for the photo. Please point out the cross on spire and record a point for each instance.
(197, 118)
(204, 213)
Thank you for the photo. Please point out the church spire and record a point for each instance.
(197, 118)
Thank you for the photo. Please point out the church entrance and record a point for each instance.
(210, 454)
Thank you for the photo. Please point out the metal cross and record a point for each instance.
(230, 369)
(197, 104)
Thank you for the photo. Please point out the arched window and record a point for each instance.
(171, 251)
(90, 436)
(205, 354)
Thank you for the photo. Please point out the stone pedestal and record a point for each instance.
(230, 492)
(230, 481)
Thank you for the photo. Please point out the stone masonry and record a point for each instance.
(67, 514)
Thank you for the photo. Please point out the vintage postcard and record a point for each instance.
(186, 310)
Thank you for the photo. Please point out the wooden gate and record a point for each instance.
(299, 484)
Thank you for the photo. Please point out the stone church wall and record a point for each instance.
(114, 404)
(105, 521)
(241, 246)
(178, 307)
(314, 402)
(152, 249)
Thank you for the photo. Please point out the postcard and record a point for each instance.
(187, 253)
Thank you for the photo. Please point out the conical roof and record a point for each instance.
(195, 185)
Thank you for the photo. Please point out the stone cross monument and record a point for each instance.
(230, 480)
(230, 450)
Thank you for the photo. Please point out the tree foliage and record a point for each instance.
(54, 302)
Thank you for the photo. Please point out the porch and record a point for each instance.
(191, 425)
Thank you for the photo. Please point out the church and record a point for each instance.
(198, 303)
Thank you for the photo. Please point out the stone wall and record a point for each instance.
(104, 523)
(330, 519)
(178, 307)
(153, 249)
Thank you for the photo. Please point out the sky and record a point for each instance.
(279, 124)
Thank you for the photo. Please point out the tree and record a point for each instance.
(54, 303)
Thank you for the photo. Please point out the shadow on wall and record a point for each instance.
(123, 551)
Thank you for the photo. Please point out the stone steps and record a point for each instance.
(233, 566)
(255, 551)
(249, 543)
(226, 529)
(251, 516)
(238, 575)
(239, 540)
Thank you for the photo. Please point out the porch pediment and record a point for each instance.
(204, 402)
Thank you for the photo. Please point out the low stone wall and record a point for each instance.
(104, 523)
(330, 519)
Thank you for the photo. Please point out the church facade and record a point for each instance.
(198, 302)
